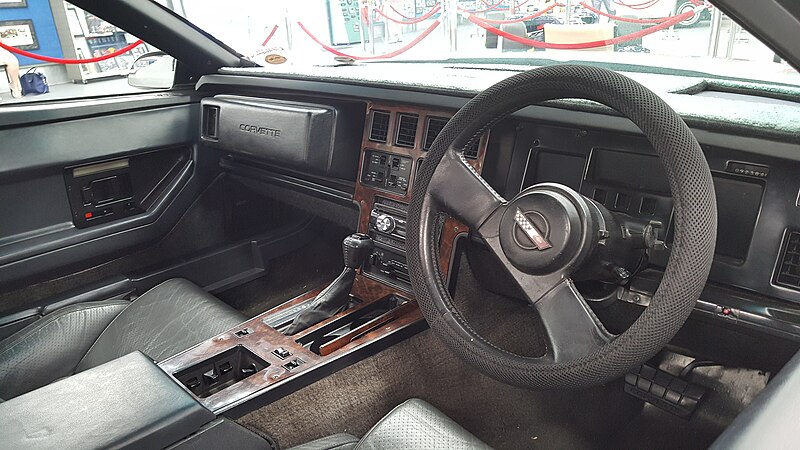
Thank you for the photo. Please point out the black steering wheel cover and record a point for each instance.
(692, 250)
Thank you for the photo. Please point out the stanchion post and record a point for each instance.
(568, 12)
(370, 6)
(716, 28)
(734, 31)
(414, 25)
(452, 21)
(288, 24)
(671, 30)
(363, 6)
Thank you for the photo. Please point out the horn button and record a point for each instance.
(543, 229)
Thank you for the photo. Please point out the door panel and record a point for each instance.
(142, 159)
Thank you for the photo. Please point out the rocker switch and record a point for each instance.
(211, 376)
(282, 353)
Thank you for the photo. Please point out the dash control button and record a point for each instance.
(293, 364)
(751, 170)
(282, 353)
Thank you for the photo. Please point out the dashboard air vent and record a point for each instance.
(432, 129)
(472, 151)
(789, 268)
(379, 130)
(210, 122)
(407, 130)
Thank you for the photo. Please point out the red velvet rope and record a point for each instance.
(582, 45)
(623, 19)
(71, 61)
(643, 5)
(490, 7)
(522, 4)
(271, 33)
(437, 5)
(391, 54)
(419, 19)
(532, 16)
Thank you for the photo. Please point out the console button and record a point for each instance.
(282, 353)
(293, 364)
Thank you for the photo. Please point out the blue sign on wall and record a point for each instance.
(43, 25)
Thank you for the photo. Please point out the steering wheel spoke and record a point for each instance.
(571, 328)
(461, 192)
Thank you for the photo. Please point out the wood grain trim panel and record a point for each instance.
(365, 287)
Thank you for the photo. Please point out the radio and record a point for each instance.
(387, 228)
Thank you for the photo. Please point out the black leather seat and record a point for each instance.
(413, 425)
(164, 321)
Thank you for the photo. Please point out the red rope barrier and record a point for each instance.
(391, 54)
(71, 61)
(490, 7)
(623, 19)
(582, 45)
(532, 16)
(271, 33)
(437, 5)
(643, 5)
(523, 4)
(419, 19)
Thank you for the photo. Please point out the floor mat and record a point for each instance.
(311, 267)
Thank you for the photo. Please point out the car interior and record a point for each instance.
(562, 257)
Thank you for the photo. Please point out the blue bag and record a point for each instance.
(34, 82)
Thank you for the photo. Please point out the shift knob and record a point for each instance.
(356, 248)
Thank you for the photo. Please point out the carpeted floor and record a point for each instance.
(311, 267)
(355, 398)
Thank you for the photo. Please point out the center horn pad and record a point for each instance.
(544, 229)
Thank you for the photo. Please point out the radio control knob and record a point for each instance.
(385, 223)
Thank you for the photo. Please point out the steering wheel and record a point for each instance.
(548, 233)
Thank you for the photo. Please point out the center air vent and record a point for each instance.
(472, 151)
(432, 129)
(789, 269)
(407, 130)
(379, 130)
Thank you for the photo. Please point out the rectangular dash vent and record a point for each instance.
(407, 130)
(432, 129)
(789, 266)
(379, 129)
(210, 122)
(472, 151)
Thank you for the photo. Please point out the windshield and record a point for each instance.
(672, 37)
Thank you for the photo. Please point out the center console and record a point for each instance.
(264, 358)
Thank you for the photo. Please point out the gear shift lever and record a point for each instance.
(356, 249)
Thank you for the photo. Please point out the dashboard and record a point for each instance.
(755, 278)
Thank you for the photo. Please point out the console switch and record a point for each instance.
(282, 353)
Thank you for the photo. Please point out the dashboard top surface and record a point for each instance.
(755, 113)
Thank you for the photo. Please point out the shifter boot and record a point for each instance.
(334, 298)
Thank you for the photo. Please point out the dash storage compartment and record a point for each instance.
(313, 138)
(220, 371)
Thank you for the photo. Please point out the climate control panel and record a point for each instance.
(386, 171)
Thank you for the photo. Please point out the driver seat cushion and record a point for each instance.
(413, 425)
(163, 321)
